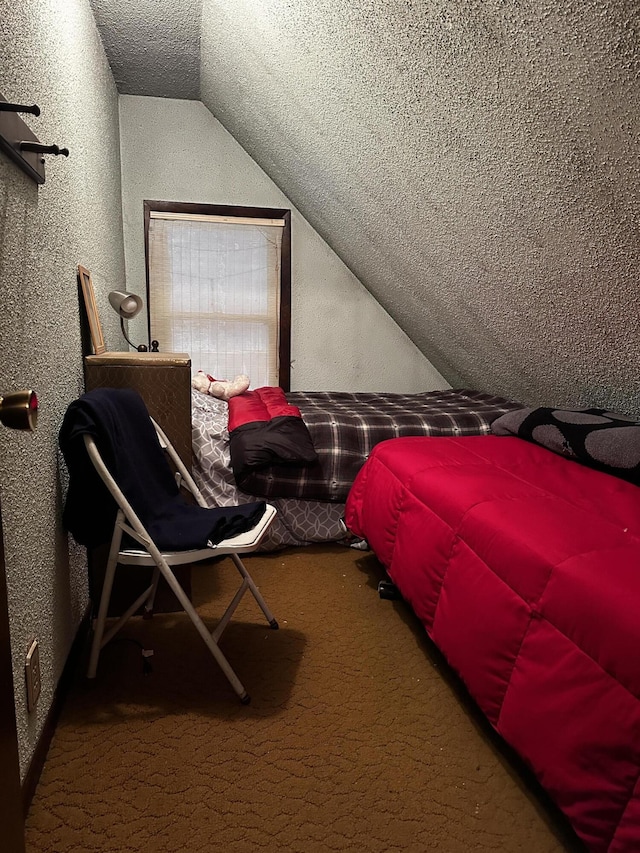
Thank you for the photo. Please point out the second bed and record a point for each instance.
(344, 427)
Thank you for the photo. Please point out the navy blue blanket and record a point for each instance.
(126, 438)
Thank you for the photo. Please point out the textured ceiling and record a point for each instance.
(476, 164)
(153, 46)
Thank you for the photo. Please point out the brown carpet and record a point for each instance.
(357, 738)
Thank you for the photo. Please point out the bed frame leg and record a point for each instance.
(388, 590)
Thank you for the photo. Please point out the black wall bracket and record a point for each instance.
(20, 143)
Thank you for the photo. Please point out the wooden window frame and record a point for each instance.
(235, 211)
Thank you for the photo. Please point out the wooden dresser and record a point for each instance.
(163, 380)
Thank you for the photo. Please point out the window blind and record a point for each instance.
(214, 292)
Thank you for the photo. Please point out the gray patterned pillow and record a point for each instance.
(601, 439)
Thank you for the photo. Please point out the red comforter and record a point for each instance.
(524, 568)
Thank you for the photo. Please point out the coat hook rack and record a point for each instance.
(20, 143)
(34, 109)
(39, 148)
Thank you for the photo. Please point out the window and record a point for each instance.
(219, 287)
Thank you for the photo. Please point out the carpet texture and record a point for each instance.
(358, 737)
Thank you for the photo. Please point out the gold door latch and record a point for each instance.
(19, 410)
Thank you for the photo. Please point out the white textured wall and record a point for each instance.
(476, 164)
(175, 150)
(51, 55)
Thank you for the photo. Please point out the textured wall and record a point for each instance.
(341, 339)
(475, 164)
(52, 56)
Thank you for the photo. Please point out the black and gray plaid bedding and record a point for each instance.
(344, 427)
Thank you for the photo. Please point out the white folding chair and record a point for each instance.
(149, 555)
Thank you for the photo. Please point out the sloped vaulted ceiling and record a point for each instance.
(476, 163)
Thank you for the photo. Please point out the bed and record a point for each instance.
(343, 428)
(520, 554)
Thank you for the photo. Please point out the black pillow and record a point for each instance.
(601, 439)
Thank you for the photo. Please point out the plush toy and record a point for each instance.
(223, 389)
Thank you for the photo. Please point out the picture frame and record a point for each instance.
(95, 329)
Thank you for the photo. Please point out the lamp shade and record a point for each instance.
(127, 305)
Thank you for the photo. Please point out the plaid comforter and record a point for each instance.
(344, 427)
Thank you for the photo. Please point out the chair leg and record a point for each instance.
(202, 629)
(148, 608)
(255, 591)
(107, 586)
